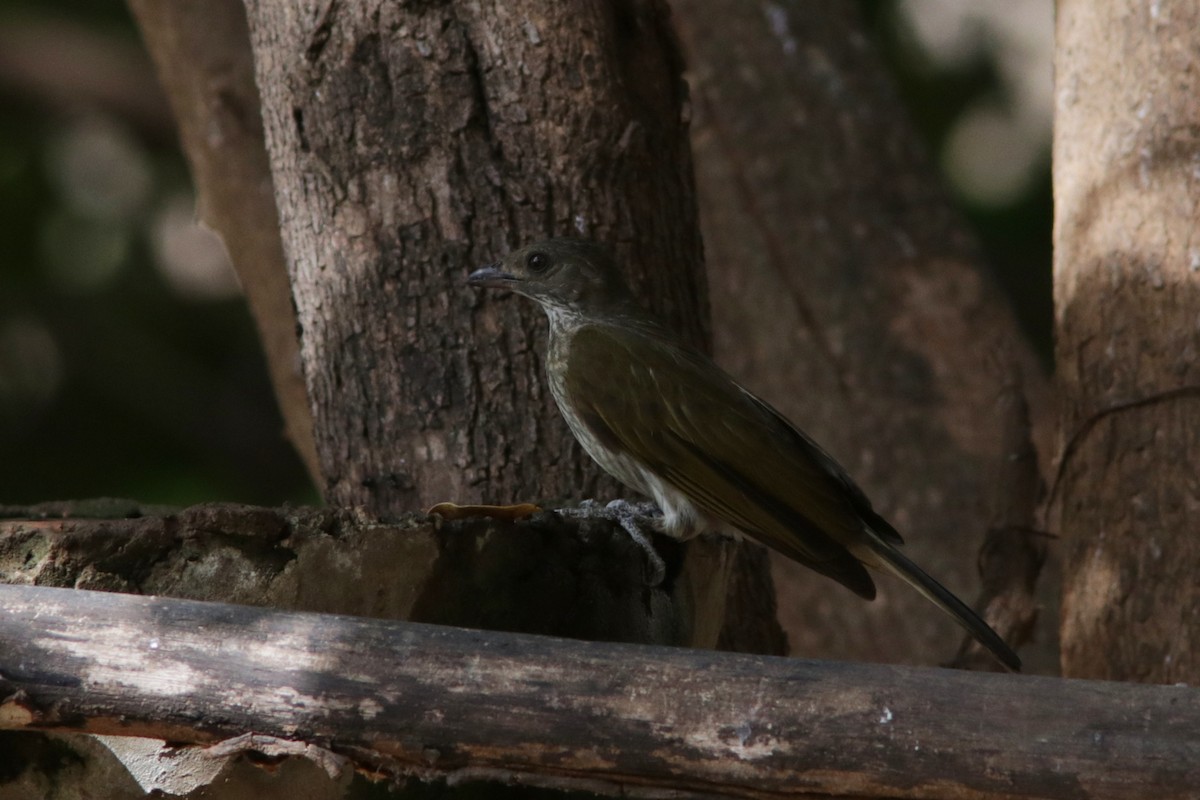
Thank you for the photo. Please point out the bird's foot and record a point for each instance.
(635, 519)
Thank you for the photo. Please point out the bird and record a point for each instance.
(662, 418)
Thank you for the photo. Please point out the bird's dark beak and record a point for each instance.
(492, 277)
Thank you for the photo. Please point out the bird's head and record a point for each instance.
(561, 274)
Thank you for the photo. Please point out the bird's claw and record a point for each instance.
(631, 517)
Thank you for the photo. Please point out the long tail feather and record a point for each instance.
(897, 563)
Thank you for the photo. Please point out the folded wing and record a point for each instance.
(730, 453)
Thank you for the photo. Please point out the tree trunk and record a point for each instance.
(411, 144)
(846, 291)
(1127, 297)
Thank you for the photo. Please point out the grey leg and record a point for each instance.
(635, 519)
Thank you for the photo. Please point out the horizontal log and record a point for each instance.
(432, 701)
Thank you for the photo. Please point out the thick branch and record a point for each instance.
(444, 702)
(201, 49)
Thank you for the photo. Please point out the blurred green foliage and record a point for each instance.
(113, 381)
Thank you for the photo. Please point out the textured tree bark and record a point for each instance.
(1127, 297)
(401, 698)
(201, 50)
(410, 143)
(846, 291)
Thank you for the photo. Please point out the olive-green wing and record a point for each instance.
(726, 450)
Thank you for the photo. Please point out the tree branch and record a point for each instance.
(201, 50)
(436, 702)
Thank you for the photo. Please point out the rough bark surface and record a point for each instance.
(846, 291)
(1127, 297)
(410, 143)
(634, 721)
(201, 50)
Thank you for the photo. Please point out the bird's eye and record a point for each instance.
(537, 262)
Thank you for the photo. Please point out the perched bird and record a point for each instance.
(666, 421)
